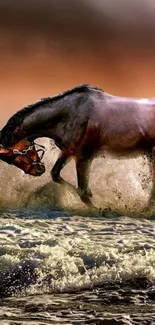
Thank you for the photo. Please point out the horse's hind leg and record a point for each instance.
(151, 202)
(83, 169)
(60, 163)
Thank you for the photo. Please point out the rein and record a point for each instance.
(42, 149)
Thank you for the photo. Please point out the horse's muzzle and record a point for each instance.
(37, 169)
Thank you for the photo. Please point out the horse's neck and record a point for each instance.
(37, 120)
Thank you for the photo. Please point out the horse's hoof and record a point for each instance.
(105, 211)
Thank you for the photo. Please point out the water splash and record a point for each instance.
(121, 183)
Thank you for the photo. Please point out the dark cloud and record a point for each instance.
(73, 20)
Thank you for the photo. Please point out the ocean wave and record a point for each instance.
(72, 253)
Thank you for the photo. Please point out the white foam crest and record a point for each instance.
(94, 252)
(7, 261)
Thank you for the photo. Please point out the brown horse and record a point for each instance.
(24, 156)
(84, 121)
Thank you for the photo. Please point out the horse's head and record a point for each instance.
(24, 156)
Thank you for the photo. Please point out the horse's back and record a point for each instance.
(122, 122)
(108, 107)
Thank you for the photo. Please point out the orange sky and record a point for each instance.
(35, 65)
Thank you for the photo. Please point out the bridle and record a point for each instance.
(24, 152)
(30, 148)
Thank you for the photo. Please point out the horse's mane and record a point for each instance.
(6, 136)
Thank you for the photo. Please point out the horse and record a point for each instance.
(24, 156)
(84, 121)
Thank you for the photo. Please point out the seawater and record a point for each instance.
(57, 268)
(63, 264)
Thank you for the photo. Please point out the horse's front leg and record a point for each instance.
(60, 163)
(83, 169)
